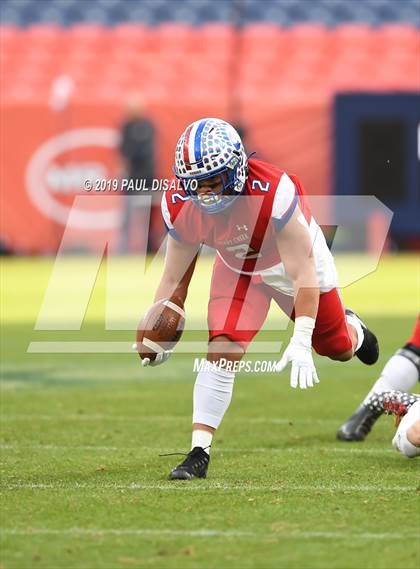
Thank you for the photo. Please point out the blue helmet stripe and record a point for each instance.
(197, 142)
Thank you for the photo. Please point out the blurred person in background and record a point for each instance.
(137, 149)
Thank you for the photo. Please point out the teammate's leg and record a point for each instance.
(401, 373)
(407, 437)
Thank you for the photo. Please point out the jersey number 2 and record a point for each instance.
(176, 196)
(258, 184)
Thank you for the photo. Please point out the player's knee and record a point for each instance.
(338, 347)
(222, 348)
(413, 433)
(344, 357)
(406, 447)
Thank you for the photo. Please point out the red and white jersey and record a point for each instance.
(244, 235)
(415, 337)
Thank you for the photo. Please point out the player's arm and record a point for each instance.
(179, 267)
(181, 253)
(295, 248)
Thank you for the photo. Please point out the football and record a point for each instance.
(160, 328)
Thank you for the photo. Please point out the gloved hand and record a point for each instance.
(299, 353)
(160, 358)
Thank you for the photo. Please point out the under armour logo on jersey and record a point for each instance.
(242, 227)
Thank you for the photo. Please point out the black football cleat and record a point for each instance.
(392, 403)
(194, 466)
(359, 425)
(368, 353)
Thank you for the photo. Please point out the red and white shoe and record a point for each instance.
(392, 403)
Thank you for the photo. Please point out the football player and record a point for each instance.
(269, 247)
(401, 373)
(406, 408)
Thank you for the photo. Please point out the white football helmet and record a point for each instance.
(207, 148)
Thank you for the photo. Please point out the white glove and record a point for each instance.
(160, 358)
(299, 352)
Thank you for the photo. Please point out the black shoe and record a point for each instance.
(194, 466)
(368, 353)
(359, 425)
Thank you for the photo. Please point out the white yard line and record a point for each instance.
(364, 535)
(191, 487)
(159, 450)
(155, 418)
(87, 417)
(146, 532)
(128, 532)
(72, 447)
(297, 448)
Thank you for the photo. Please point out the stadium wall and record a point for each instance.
(46, 158)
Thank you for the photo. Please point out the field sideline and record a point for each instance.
(83, 484)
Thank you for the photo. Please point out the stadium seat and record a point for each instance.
(215, 37)
(170, 37)
(43, 34)
(25, 93)
(86, 35)
(10, 39)
(353, 37)
(309, 37)
(261, 37)
(135, 36)
(399, 37)
(194, 12)
(168, 58)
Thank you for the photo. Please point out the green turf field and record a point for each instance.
(83, 484)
